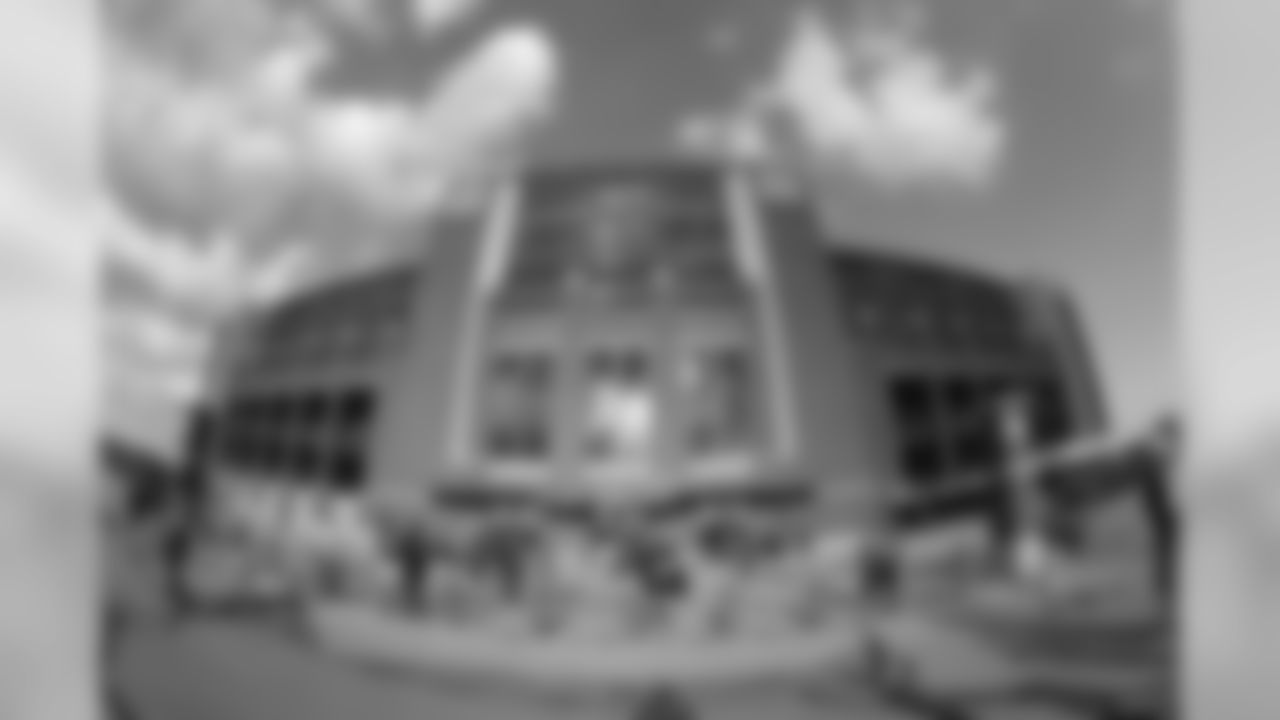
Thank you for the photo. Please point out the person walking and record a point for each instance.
(1157, 472)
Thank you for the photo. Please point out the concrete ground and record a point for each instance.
(167, 668)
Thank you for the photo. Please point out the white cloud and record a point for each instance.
(435, 16)
(221, 154)
(872, 98)
(153, 334)
(219, 276)
(240, 179)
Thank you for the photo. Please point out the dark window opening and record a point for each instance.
(304, 461)
(355, 408)
(518, 407)
(949, 427)
(1051, 417)
(621, 408)
(312, 409)
(915, 402)
(272, 455)
(347, 471)
(924, 461)
(518, 442)
(963, 399)
(722, 400)
(977, 449)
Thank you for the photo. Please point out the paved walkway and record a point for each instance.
(224, 671)
(227, 669)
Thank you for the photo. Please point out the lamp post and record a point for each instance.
(1030, 551)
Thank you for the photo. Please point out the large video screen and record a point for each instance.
(623, 229)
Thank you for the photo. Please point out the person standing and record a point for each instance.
(1157, 471)
(185, 519)
(415, 555)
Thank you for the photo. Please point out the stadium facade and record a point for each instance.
(662, 384)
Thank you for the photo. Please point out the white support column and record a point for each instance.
(1032, 554)
(495, 258)
(748, 239)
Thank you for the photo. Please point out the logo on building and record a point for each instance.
(617, 221)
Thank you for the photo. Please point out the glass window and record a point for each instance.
(354, 408)
(923, 460)
(232, 448)
(915, 402)
(621, 412)
(977, 447)
(722, 401)
(1051, 417)
(272, 456)
(962, 398)
(518, 407)
(304, 460)
(346, 470)
(311, 411)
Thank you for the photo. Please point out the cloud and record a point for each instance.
(869, 97)
(239, 178)
(220, 276)
(256, 156)
(153, 334)
(435, 16)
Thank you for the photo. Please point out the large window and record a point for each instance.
(900, 304)
(519, 407)
(948, 426)
(621, 413)
(722, 402)
(917, 408)
(352, 321)
(620, 238)
(974, 435)
(317, 436)
(1051, 414)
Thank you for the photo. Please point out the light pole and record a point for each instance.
(1030, 551)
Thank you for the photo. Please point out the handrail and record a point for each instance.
(1075, 454)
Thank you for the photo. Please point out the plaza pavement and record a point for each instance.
(165, 668)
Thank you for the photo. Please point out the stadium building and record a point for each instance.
(657, 407)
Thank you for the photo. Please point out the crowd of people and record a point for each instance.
(703, 574)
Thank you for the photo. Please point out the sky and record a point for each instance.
(256, 145)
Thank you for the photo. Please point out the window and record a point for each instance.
(918, 408)
(518, 407)
(1051, 416)
(924, 460)
(303, 459)
(915, 401)
(311, 410)
(355, 408)
(977, 446)
(962, 398)
(621, 410)
(271, 454)
(721, 393)
(354, 320)
(995, 321)
(232, 450)
(346, 472)
(949, 426)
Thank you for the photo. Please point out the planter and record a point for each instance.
(366, 635)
